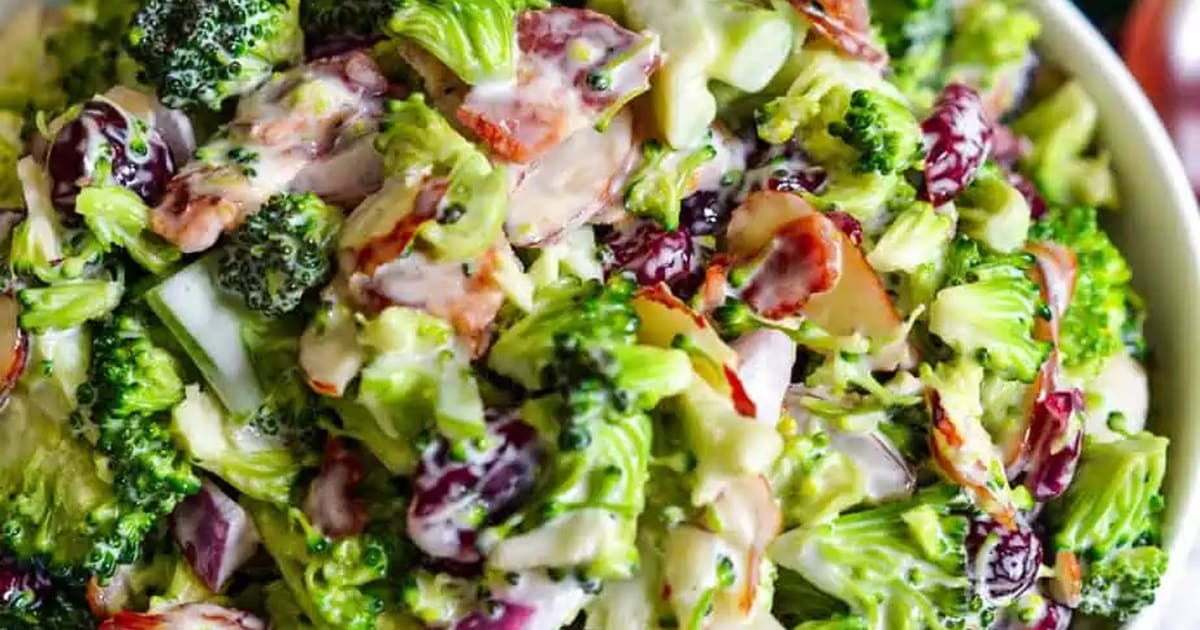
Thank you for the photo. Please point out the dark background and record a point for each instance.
(1107, 14)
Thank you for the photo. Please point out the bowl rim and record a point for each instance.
(1119, 91)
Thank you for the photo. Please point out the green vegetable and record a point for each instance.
(657, 188)
(916, 33)
(63, 607)
(42, 246)
(918, 236)
(334, 583)
(993, 212)
(437, 598)
(897, 571)
(323, 20)
(864, 132)
(118, 217)
(12, 146)
(208, 51)
(730, 41)
(280, 253)
(989, 309)
(87, 50)
(68, 304)
(1098, 321)
(1110, 518)
(814, 482)
(845, 622)
(477, 40)
(990, 38)
(1063, 128)
(416, 140)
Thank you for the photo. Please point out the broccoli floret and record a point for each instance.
(1098, 318)
(118, 217)
(88, 50)
(579, 351)
(989, 309)
(993, 212)
(42, 247)
(325, 20)
(814, 482)
(870, 133)
(901, 565)
(1110, 519)
(657, 188)
(203, 52)
(131, 386)
(11, 149)
(334, 583)
(916, 33)
(918, 236)
(68, 304)
(417, 140)
(1062, 128)
(477, 40)
(992, 35)
(280, 253)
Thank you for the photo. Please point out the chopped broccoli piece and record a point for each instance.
(579, 350)
(11, 149)
(841, 622)
(416, 139)
(87, 51)
(333, 582)
(1062, 128)
(1123, 583)
(993, 212)
(203, 52)
(797, 601)
(814, 482)
(916, 33)
(437, 598)
(918, 236)
(477, 40)
(280, 253)
(989, 309)
(896, 570)
(42, 246)
(865, 132)
(325, 20)
(993, 35)
(1098, 317)
(734, 42)
(118, 217)
(68, 304)
(657, 188)
(33, 599)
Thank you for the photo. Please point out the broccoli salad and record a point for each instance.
(529, 315)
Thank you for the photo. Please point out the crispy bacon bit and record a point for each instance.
(577, 67)
(331, 505)
(803, 260)
(737, 392)
(388, 247)
(185, 617)
(845, 24)
(970, 461)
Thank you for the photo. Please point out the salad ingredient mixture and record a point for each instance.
(529, 315)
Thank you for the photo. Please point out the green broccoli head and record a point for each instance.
(916, 33)
(988, 310)
(117, 217)
(657, 188)
(874, 133)
(477, 40)
(992, 39)
(992, 211)
(88, 51)
(1062, 128)
(68, 304)
(332, 582)
(324, 20)
(1099, 318)
(900, 565)
(282, 251)
(919, 235)
(1123, 583)
(205, 52)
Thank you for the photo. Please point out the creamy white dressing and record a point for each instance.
(555, 603)
(766, 358)
(572, 539)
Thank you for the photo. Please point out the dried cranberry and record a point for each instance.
(705, 212)
(653, 254)
(22, 588)
(1010, 558)
(958, 138)
(460, 489)
(498, 616)
(1056, 441)
(104, 145)
(847, 224)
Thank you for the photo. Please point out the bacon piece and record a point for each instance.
(577, 68)
(963, 452)
(330, 504)
(804, 259)
(845, 24)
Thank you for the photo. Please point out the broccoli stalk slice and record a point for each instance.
(657, 189)
(917, 236)
(68, 304)
(993, 212)
(41, 245)
(118, 217)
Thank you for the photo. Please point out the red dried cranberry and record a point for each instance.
(459, 490)
(704, 212)
(653, 254)
(498, 616)
(1010, 558)
(847, 224)
(958, 138)
(1056, 441)
(104, 145)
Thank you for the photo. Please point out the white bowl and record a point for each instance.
(1159, 230)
